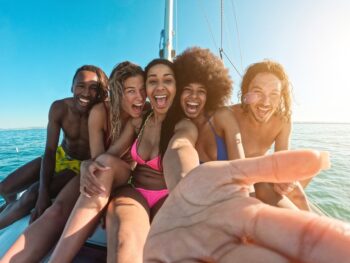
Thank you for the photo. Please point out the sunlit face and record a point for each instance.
(160, 87)
(134, 96)
(263, 96)
(193, 99)
(85, 89)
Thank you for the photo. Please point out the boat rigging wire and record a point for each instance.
(221, 50)
(208, 24)
(239, 74)
(237, 32)
(221, 26)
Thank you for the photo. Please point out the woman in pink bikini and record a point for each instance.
(133, 205)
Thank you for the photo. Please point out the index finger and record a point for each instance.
(280, 167)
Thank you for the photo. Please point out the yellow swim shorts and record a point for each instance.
(63, 162)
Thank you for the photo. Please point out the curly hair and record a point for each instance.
(199, 65)
(119, 74)
(275, 68)
(102, 91)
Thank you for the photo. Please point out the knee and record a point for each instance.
(120, 170)
(30, 196)
(57, 212)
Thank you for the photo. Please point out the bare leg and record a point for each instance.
(127, 226)
(87, 210)
(265, 193)
(41, 236)
(298, 197)
(26, 202)
(20, 179)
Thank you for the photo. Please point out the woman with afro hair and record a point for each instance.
(203, 128)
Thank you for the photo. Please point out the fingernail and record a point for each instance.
(104, 194)
(325, 162)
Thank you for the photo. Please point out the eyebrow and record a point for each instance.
(90, 82)
(260, 88)
(165, 75)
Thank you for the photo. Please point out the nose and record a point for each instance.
(160, 86)
(140, 96)
(265, 100)
(86, 92)
(194, 95)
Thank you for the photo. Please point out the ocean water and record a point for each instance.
(330, 190)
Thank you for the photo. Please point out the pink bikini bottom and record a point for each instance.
(152, 196)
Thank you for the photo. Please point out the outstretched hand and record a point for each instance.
(209, 216)
(89, 183)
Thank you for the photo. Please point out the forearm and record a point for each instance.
(47, 170)
(179, 159)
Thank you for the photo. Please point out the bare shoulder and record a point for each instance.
(97, 117)
(223, 112)
(59, 108)
(282, 122)
(98, 109)
(236, 109)
(224, 116)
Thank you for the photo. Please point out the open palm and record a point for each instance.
(209, 217)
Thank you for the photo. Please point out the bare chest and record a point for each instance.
(75, 128)
(148, 144)
(257, 141)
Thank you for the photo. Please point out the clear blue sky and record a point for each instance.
(43, 42)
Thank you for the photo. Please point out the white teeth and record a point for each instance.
(160, 96)
(192, 103)
(138, 105)
(83, 100)
(263, 109)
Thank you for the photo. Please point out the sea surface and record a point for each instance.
(330, 190)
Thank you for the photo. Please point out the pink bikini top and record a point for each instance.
(153, 163)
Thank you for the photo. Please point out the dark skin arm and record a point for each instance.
(49, 159)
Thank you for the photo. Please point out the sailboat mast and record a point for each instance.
(166, 49)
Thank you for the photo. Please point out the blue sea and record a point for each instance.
(330, 190)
